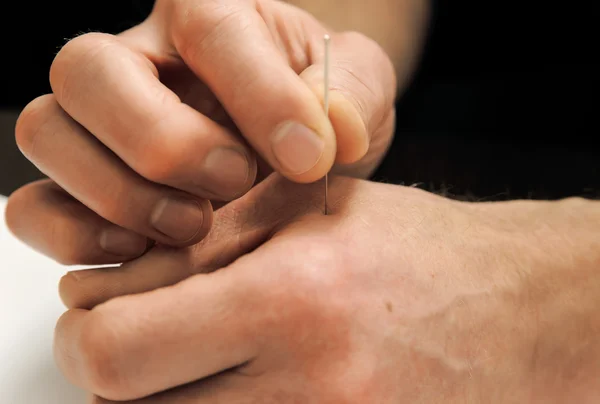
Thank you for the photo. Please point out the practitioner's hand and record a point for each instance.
(143, 128)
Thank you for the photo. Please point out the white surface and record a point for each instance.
(29, 308)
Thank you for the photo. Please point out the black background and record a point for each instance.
(504, 104)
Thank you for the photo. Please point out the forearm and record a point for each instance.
(399, 26)
(557, 247)
(569, 339)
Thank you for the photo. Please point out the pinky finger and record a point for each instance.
(46, 218)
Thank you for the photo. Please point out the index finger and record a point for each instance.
(137, 345)
(231, 48)
(113, 89)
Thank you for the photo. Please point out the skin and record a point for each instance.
(398, 26)
(145, 129)
(398, 296)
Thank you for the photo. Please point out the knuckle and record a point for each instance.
(98, 346)
(77, 55)
(309, 300)
(32, 120)
(369, 46)
(324, 268)
(116, 202)
(160, 161)
(117, 208)
(197, 26)
(362, 88)
(316, 279)
(376, 60)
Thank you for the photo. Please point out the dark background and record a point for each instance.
(504, 104)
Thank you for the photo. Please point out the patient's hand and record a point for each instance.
(397, 296)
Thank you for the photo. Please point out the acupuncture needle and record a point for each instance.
(327, 41)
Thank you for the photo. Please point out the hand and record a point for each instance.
(398, 296)
(143, 128)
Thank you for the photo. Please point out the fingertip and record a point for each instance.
(67, 290)
(74, 291)
(351, 132)
(182, 220)
(347, 122)
(231, 172)
(303, 154)
(87, 288)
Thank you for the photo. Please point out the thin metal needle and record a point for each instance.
(327, 41)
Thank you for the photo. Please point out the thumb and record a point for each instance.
(362, 93)
(235, 49)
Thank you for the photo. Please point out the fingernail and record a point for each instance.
(227, 172)
(178, 218)
(122, 242)
(297, 148)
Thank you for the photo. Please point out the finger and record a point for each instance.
(229, 46)
(159, 268)
(115, 93)
(138, 345)
(46, 218)
(79, 164)
(240, 227)
(362, 93)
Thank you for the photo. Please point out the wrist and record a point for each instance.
(555, 249)
(568, 359)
